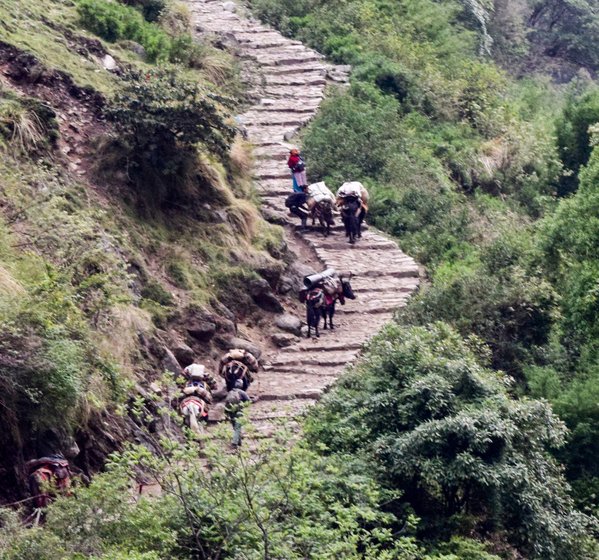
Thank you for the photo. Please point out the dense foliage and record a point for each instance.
(271, 503)
(80, 297)
(443, 429)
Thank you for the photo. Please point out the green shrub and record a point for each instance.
(574, 137)
(114, 22)
(443, 429)
(163, 120)
(151, 9)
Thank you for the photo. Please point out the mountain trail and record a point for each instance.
(288, 82)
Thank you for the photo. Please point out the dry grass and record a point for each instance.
(176, 19)
(214, 176)
(493, 156)
(119, 336)
(243, 218)
(241, 157)
(8, 285)
(216, 66)
(22, 127)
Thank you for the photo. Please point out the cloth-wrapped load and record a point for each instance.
(320, 192)
(353, 188)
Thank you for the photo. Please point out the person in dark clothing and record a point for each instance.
(235, 404)
(297, 204)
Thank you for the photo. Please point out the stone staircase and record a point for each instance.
(291, 85)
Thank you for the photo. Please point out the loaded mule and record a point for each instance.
(48, 476)
(194, 404)
(314, 300)
(321, 204)
(352, 200)
(238, 365)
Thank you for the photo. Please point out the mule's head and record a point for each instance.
(348, 292)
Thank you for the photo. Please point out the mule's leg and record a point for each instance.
(360, 220)
(323, 312)
(331, 313)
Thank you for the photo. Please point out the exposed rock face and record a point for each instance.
(202, 331)
(183, 353)
(170, 363)
(287, 96)
(236, 342)
(109, 63)
(263, 296)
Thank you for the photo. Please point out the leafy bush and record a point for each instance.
(444, 431)
(163, 119)
(574, 137)
(113, 22)
(151, 9)
(275, 503)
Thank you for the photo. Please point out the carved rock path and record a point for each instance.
(288, 81)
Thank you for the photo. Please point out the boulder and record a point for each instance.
(138, 49)
(284, 339)
(222, 310)
(271, 272)
(170, 363)
(273, 217)
(263, 296)
(184, 354)
(289, 323)
(109, 63)
(202, 330)
(286, 284)
(236, 342)
(300, 270)
(229, 6)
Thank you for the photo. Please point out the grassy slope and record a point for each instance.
(81, 271)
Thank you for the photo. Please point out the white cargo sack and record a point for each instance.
(352, 188)
(320, 192)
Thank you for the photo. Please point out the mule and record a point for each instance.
(323, 212)
(351, 211)
(343, 292)
(48, 476)
(235, 371)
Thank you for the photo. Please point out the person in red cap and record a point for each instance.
(298, 170)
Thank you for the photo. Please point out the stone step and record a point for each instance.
(296, 385)
(300, 80)
(284, 106)
(298, 68)
(311, 358)
(323, 346)
(284, 118)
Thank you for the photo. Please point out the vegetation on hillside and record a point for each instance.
(117, 223)
(469, 429)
